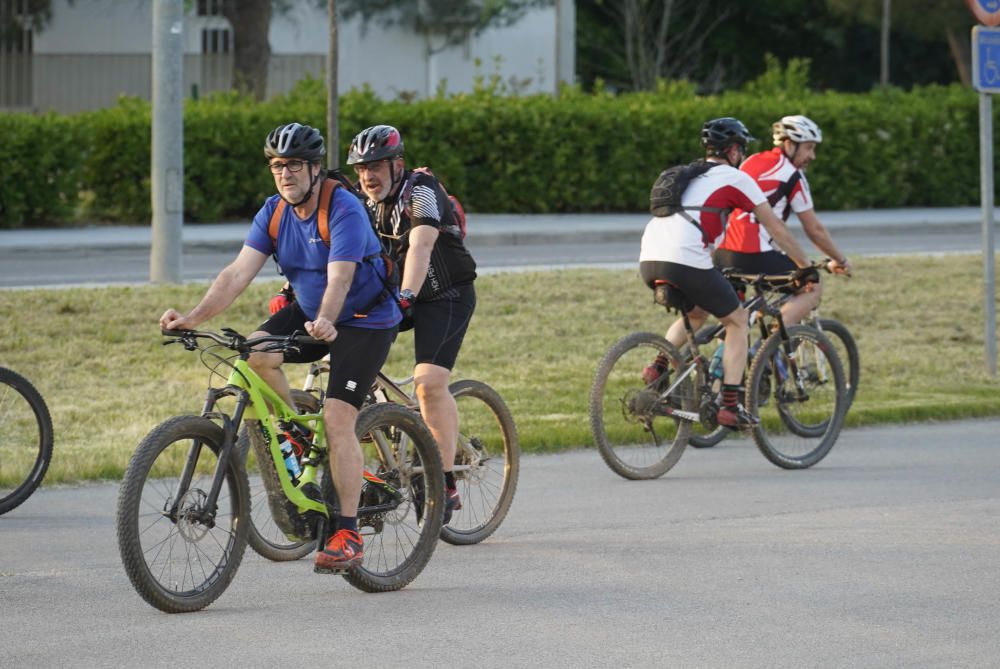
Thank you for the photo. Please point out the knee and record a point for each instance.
(264, 361)
(339, 418)
(431, 390)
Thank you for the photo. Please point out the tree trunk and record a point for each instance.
(250, 20)
(961, 53)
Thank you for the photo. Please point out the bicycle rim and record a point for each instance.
(25, 439)
(178, 555)
(800, 414)
(487, 463)
(628, 418)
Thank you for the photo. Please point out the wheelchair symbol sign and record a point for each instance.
(986, 59)
(986, 12)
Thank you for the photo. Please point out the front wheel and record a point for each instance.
(797, 390)
(179, 552)
(847, 349)
(487, 463)
(632, 421)
(399, 522)
(25, 439)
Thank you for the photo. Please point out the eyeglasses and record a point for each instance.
(368, 167)
(293, 166)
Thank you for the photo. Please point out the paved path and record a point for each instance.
(886, 554)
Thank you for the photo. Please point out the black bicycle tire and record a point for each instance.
(266, 548)
(387, 414)
(839, 330)
(129, 501)
(512, 450)
(761, 361)
(25, 389)
(596, 410)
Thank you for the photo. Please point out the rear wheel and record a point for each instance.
(631, 420)
(264, 536)
(179, 553)
(847, 349)
(25, 439)
(487, 462)
(400, 528)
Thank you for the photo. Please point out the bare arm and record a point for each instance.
(780, 234)
(819, 236)
(418, 257)
(339, 276)
(231, 281)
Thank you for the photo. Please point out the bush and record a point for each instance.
(502, 153)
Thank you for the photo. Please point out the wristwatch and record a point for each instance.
(406, 295)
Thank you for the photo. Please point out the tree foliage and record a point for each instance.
(452, 20)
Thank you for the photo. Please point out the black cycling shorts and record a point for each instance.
(356, 355)
(766, 262)
(705, 288)
(439, 327)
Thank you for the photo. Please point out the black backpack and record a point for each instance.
(665, 196)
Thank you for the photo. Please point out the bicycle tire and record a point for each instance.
(490, 449)
(263, 533)
(24, 416)
(154, 545)
(625, 409)
(396, 555)
(835, 330)
(781, 436)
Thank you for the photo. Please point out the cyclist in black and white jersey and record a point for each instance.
(414, 216)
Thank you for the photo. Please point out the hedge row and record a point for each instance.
(571, 153)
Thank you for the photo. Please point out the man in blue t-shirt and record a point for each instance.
(344, 299)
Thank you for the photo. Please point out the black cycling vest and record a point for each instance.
(451, 264)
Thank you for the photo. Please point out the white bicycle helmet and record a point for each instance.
(797, 128)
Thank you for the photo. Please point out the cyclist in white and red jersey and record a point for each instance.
(676, 248)
(780, 175)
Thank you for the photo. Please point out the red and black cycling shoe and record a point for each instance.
(736, 417)
(343, 551)
(656, 370)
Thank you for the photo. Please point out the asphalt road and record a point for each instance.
(62, 265)
(886, 554)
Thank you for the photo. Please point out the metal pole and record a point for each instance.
(166, 253)
(884, 46)
(986, 184)
(332, 94)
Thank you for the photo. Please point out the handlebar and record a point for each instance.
(237, 342)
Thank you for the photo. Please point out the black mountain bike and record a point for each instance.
(795, 384)
(25, 439)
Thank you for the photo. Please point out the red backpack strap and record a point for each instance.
(325, 200)
(322, 216)
(272, 227)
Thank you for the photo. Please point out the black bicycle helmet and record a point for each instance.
(375, 143)
(719, 134)
(295, 141)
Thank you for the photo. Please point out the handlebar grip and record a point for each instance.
(173, 333)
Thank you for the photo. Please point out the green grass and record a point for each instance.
(96, 354)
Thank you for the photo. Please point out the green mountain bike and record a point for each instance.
(184, 504)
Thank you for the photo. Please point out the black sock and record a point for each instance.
(347, 523)
(730, 395)
(449, 480)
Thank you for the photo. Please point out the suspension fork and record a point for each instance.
(230, 426)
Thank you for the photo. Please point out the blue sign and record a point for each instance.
(986, 58)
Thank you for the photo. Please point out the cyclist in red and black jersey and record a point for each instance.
(413, 215)
(780, 175)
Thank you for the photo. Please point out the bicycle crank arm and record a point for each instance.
(692, 416)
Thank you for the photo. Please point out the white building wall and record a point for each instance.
(94, 50)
